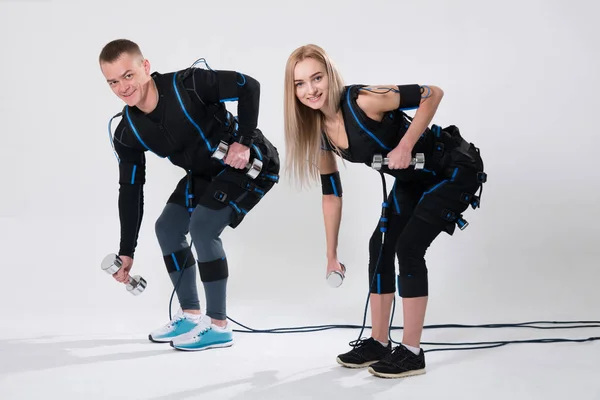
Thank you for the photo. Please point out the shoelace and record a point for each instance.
(175, 321)
(358, 343)
(202, 332)
(398, 355)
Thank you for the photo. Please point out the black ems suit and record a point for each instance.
(422, 202)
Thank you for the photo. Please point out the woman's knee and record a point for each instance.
(410, 249)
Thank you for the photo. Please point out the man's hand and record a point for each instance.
(123, 274)
(238, 155)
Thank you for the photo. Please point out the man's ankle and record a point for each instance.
(195, 312)
(219, 322)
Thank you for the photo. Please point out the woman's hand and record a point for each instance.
(400, 157)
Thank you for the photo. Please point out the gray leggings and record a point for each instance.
(205, 227)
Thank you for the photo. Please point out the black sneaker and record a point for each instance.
(364, 353)
(400, 363)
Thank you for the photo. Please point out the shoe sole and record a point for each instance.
(159, 340)
(400, 375)
(212, 346)
(355, 366)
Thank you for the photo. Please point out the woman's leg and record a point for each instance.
(413, 283)
(382, 286)
(436, 211)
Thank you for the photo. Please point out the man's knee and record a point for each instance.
(206, 228)
(171, 223)
(162, 227)
(207, 224)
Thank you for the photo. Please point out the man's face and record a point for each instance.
(127, 77)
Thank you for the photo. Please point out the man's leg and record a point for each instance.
(171, 228)
(206, 228)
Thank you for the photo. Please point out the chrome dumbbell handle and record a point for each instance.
(379, 161)
(253, 168)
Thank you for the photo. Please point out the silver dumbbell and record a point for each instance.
(336, 278)
(112, 264)
(379, 161)
(252, 168)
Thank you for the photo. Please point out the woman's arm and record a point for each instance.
(332, 203)
(377, 100)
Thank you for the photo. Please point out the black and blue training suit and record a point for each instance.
(422, 202)
(185, 127)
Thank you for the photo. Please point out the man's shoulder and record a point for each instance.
(122, 129)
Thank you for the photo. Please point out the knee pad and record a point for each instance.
(179, 260)
(412, 277)
(215, 270)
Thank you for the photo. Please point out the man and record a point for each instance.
(182, 116)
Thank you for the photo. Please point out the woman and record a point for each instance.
(325, 118)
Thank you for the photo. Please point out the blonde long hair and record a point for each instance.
(303, 125)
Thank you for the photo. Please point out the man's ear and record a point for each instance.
(146, 65)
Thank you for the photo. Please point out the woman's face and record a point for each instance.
(311, 83)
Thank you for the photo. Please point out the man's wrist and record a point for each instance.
(245, 140)
(126, 253)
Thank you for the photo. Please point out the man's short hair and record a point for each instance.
(114, 49)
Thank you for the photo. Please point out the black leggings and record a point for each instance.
(418, 212)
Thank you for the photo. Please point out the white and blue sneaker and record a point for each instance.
(205, 336)
(181, 324)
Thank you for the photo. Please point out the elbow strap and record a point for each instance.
(410, 96)
(331, 184)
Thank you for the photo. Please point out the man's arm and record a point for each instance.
(222, 86)
(132, 176)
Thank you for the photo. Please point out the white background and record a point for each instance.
(520, 81)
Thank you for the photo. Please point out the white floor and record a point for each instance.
(69, 331)
(98, 358)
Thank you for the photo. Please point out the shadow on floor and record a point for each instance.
(44, 353)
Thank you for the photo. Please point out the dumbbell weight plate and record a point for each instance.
(111, 264)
